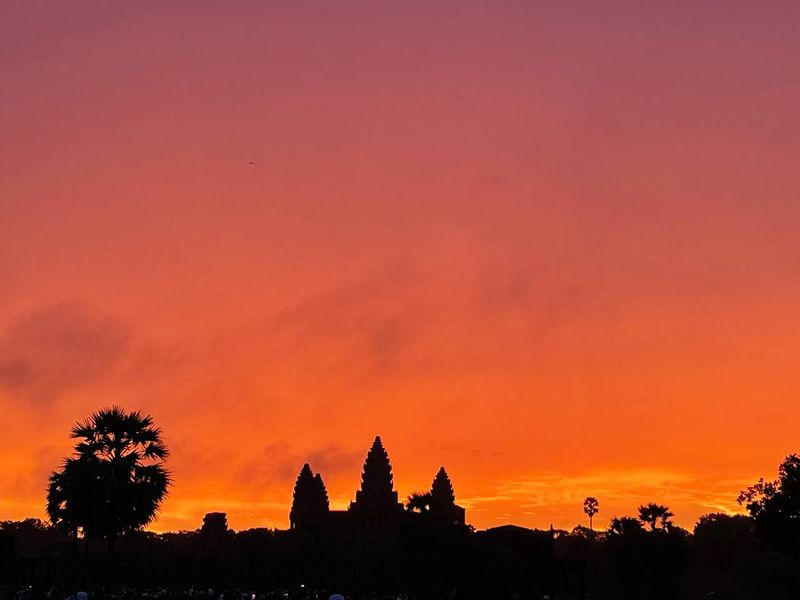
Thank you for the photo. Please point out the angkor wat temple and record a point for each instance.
(376, 507)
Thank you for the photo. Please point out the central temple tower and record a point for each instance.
(376, 504)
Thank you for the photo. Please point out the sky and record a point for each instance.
(551, 246)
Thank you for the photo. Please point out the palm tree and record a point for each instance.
(655, 515)
(591, 507)
(116, 480)
(419, 502)
(624, 526)
(70, 495)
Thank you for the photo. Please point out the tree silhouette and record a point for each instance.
(775, 507)
(116, 480)
(591, 507)
(419, 502)
(624, 526)
(725, 543)
(648, 562)
(72, 497)
(64, 498)
(655, 515)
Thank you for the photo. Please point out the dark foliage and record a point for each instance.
(775, 506)
(115, 482)
(648, 562)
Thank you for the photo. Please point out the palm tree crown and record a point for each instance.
(591, 507)
(116, 480)
(655, 515)
(419, 502)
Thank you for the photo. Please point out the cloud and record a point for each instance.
(347, 336)
(55, 349)
(278, 463)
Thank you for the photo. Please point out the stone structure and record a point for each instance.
(310, 503)
(376, 507)
(444, 509)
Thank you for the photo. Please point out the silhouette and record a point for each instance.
(376, 504)
(655, 515)
(310, 500)
(444, 509)
(376, 508)
(726, 556)
(73, 497)
(116, 480)
(648, 562)
(625, 526)
(775, 507)
(419, 502)
(591, 507)
(215, 524)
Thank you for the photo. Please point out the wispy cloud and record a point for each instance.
(62, 347)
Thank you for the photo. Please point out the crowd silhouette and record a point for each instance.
(94, 545)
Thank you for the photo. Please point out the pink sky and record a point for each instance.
(552, 246)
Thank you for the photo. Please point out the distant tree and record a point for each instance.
(775, 507)
(655, 515)
(584, 532)
(725, 542)
(31, 537)
(624, 526)
(591, 507)
(648, 562)
(419, 502)
(116, 480)
(624, 547)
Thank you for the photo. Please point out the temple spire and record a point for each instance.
(321, 493)
(442, 492)
(376, 480)
(310, 500)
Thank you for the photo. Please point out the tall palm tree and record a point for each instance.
(655, 515)
(591, 507)
(116, 480)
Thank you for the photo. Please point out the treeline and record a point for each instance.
(428, 562)
(105, 493)
(725, 555)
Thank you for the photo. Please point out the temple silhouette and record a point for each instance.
(376, 508)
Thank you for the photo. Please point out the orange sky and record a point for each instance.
(552, 247)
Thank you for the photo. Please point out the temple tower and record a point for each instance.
(376, 501)
(320, 494)
(442, 490)
(310, 500)
(444, 509)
